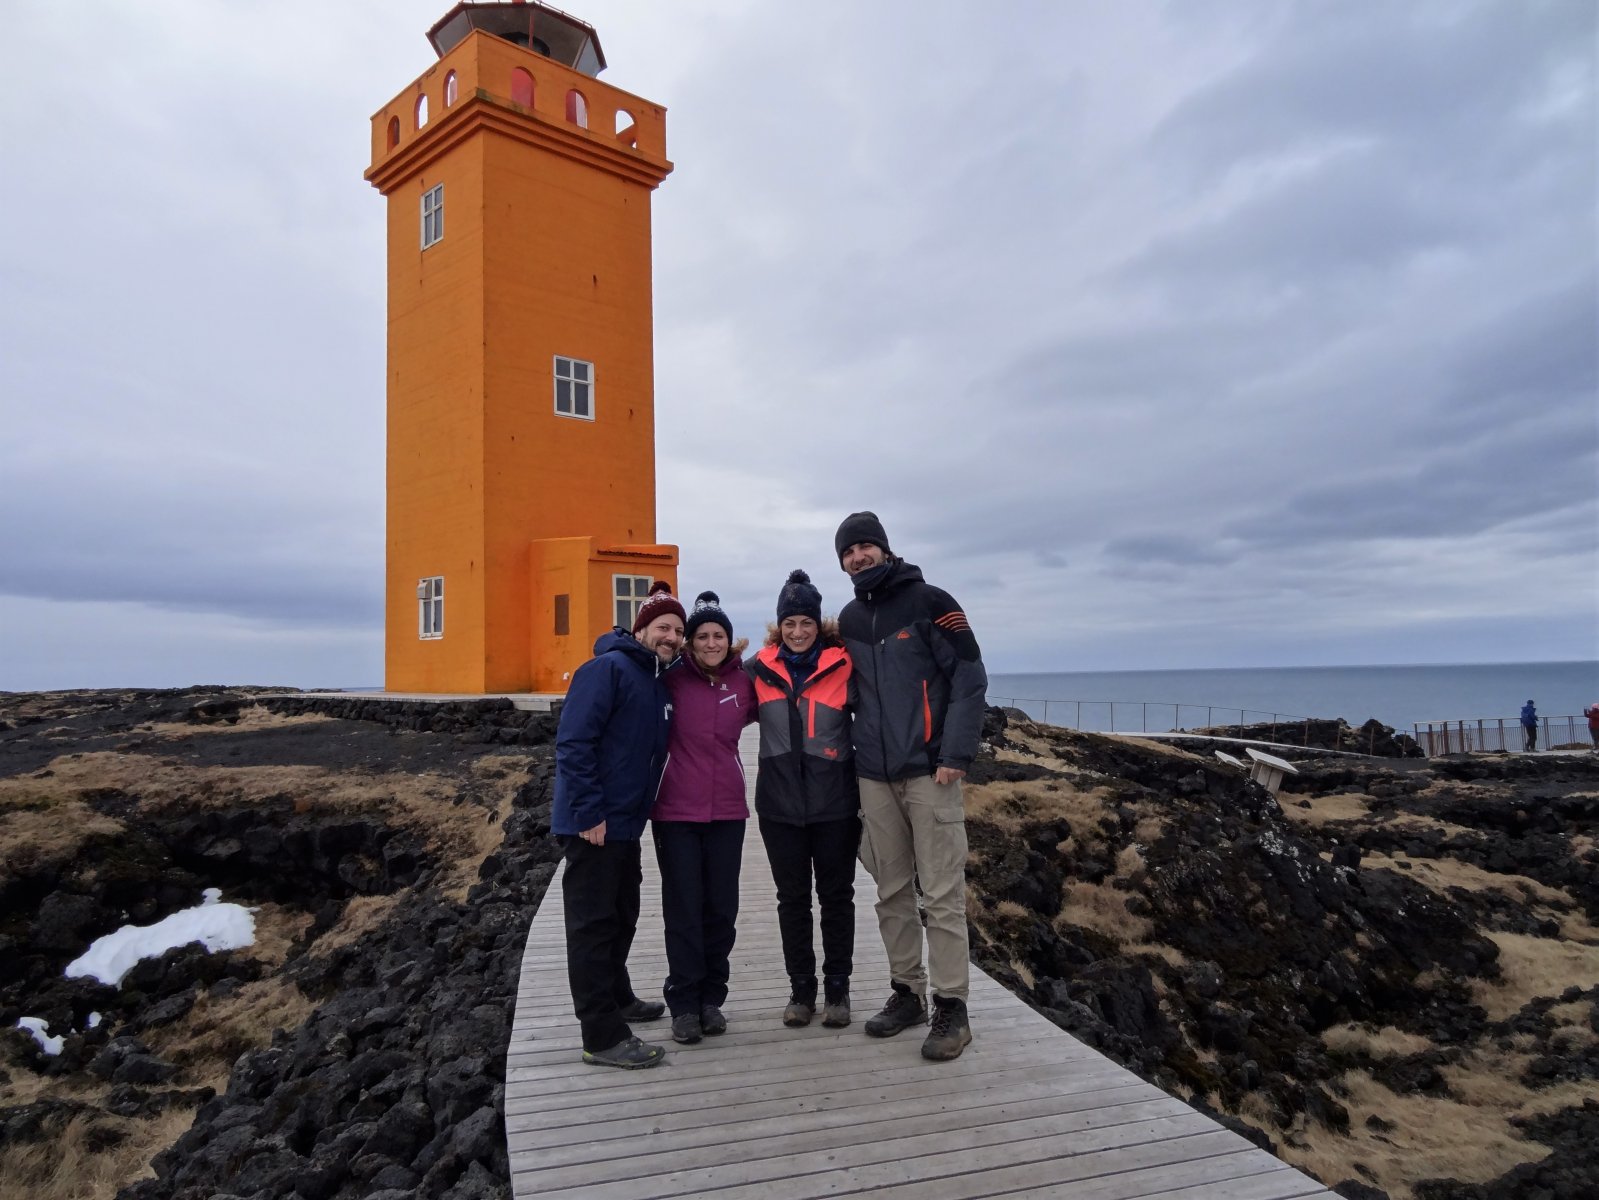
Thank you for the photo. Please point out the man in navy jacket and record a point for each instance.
(610, 747)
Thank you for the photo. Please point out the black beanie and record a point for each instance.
(860, 527)
(799, 598)
(707, 607)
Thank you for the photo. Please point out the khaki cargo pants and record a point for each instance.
(915, 829)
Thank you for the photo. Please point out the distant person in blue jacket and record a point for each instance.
(610, 748)
(1529, 725)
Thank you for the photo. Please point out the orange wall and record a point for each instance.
(435, 505)
(546, 251)
(566, 271)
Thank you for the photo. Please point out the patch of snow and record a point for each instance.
(39, 1027)
(210, 896)
(215, 925)
(93, 1022)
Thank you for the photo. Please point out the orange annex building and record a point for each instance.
(521, 407)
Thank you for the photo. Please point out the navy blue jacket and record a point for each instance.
(610, 745)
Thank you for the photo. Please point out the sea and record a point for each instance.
(1400, 696)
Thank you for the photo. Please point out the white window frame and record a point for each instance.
(433, 216)
(430, 608)
(630, 590)
(578, 376)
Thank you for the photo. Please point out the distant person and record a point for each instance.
(1529, 725)
(807, 799)
(610, 747)
(699, 817)
(1592, 713)
(920, 688)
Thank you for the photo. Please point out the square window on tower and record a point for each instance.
(574, 388)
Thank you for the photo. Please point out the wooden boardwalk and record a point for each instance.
(773, 1113)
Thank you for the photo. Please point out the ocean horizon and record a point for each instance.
(1399, 695)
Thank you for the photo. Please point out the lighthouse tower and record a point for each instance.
(521, 411)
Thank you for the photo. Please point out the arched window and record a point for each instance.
(521, 88)
(394, 132)
(449, 89)
(577, 109)
(421, 110)
(626, 128)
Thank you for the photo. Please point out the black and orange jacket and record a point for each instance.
(920, 686)
(806, 772)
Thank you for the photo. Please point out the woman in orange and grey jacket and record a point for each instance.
(806, 797)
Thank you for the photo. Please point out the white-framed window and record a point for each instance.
(430, 607)
(432, 215)
(629, 591)
(574, 388)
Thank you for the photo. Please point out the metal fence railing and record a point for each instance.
(1155, 716)
(1468, 734)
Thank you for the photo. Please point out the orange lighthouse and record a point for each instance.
(521, 408)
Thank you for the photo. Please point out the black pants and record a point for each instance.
(1530, 733)
(700, 862)
(601, 893)
(828, 850)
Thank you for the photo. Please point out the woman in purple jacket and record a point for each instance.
(699, 816)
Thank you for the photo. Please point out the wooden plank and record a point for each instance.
(768, 1111)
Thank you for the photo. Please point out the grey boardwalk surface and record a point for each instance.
(774, 1113)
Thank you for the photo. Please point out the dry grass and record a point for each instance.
(1541, 900)
(362, 914)
(1340, 806)
(79, 1166)
(39, 827)
(1102, 908)
(1531, 967)
(1386, 1042)
(430, 805)
(217, 1031)
(251, 719)
(1010, 806)
(1433, 1138)
(277, 929)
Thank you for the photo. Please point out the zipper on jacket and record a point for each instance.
(927, 715)
(659, 782)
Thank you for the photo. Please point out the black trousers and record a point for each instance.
(825, 851)
(700, 863)
(1530, 736)
(601, 893)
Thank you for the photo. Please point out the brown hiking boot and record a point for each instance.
(951, 1032)
(904, 1009)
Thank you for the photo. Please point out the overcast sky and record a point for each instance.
(1162, 335)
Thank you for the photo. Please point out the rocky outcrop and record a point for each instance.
(1232, 947)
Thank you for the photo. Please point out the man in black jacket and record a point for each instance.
(920, 688)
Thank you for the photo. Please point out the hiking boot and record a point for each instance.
(904, 1009)
(951, 1032)
(835, 1003)
(630, 1054)
(643, 1010)
(686, 1028)
(801, 1001)
(712, 1022)
(799, 1012)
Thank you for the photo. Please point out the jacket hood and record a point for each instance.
(621, 639)
(900, 574)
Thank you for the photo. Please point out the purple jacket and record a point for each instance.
(704, 778)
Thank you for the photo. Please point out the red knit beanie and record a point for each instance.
(659, 602)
